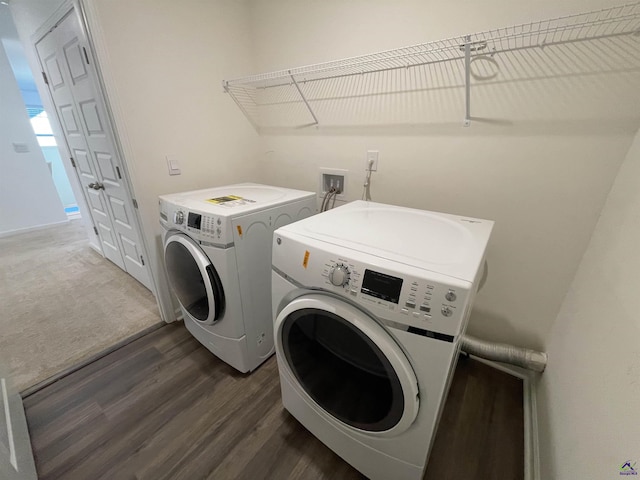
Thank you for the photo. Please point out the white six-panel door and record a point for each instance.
(68, 67)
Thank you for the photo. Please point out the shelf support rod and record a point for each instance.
(315, 119)
(467, 80)
(225, 85)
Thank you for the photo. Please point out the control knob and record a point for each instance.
(339, 275)
(178, 217)
(451, 296)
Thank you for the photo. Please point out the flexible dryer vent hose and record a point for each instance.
(500, 352)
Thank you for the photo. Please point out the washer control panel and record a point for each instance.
(403, 299)
(203, 227)
(209, 226)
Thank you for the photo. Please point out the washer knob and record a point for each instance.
(178, 217)
(446, 311)
(339, 275)
(451, 296)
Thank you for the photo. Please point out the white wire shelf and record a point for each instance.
(300, 96)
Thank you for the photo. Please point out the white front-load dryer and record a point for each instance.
(217, 252)
(370, 302)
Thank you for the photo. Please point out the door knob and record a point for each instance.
(96, 186)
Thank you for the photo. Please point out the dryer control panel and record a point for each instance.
(397, 293)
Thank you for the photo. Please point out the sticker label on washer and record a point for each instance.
(305, 261)
(239, 227)
(230, 201)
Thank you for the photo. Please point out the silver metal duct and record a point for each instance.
(501, 352)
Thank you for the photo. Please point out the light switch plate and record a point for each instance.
(173, 165)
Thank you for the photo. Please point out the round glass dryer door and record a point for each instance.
(348, 364)
(193, 279)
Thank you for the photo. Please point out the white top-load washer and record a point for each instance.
(217, 250)
(370, 302)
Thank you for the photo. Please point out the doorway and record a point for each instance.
(91, 302)
(68, 69)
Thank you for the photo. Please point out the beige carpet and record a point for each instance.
(61, 302)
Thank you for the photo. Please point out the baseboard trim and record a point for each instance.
(530, 408)
(96, 249)
(11, 233)
(74, 368)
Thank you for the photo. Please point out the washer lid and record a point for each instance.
(447, 244)
(234, 200)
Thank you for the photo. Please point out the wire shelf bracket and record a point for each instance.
(299, 86)
(467, 80)
(315, 119)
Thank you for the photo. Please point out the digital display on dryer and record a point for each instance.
(382, 286)
(194, 220)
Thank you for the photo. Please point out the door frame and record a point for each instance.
(78, 8)
(20, 464)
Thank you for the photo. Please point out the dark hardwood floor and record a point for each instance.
(163, 407)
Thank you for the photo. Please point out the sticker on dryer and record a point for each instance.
(239, 227)
(228, 198)
(305, 261)
(230, 201)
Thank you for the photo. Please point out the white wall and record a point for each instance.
(541, 168)
(28, 197)
(163, 63)
(589, 396)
